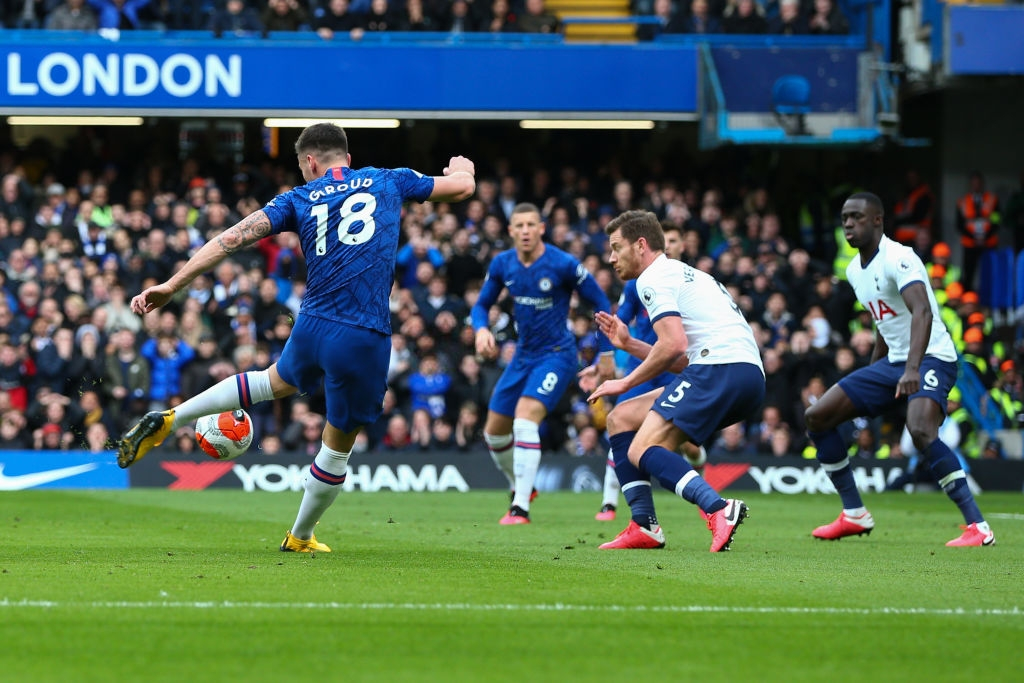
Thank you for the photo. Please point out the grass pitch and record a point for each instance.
(156, 585)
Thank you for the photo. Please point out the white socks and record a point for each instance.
(237, 391)
(322, 485)
(526, 454)
(611, 486)
(500, 447)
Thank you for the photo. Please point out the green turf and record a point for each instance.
(153, 585)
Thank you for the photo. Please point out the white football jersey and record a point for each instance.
(878, 286)
(715, 327)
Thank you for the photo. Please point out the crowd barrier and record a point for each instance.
(439, 471)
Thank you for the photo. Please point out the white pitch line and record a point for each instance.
(553, 607)
(1006, 515)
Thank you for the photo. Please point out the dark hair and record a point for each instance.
(636, 224)
(872, 200)
(323, 138)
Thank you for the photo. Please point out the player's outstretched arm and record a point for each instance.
(458, 182)
(249, 230)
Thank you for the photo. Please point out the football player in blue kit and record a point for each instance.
(702, 335)
(348, 222)
(541, 279)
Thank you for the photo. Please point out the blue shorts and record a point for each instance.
(705, 398)
(544, 378)
(872, 389)
(351, 361)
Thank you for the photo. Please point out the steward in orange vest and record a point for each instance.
(914, 213)
(977, 221)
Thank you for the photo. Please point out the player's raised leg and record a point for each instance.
(238, 391)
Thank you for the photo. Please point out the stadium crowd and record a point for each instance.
(77, 366)
(355, 18)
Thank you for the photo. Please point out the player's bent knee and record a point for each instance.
(815, 419)
(616, 422)
(922, 437)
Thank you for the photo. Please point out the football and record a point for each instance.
(225, 436)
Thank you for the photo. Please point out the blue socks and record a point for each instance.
(952, 479)
(675, 474)
(636, 488)
(834, 460)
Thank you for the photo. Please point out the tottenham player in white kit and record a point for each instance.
(702, 335)
(914, 360)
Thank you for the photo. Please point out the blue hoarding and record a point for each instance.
(21, 470)
(133, 75)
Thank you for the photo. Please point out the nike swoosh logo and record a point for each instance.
(18, 482)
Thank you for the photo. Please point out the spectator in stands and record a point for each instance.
(310, 437)
(700, 19)
(865, 445)
(977, 221)
(380, 18)
(435, 299)
(167, 356)
(731, 443)
(781, 443)
(397, 437)
(745, 17)
(16, 373)
(669, 21)
(468, 431)
(14, 434)
(535, 18)
(71, 15)
(501, 20)
(759, 435)
(462, 264)
(1008, 396)
(942, 256)
(52, 437)
(417, 17)
(338, 18)
(236, 19)
(428, 387)
(53, 359)
(459, 18)
(284, 15)
(827, 19)
(419, 249)
(119, 14)
(15, 197)
(267, 308)
(790, 20)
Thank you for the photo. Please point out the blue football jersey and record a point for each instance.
(348, 222)
(542, 294)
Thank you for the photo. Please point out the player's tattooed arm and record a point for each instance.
(249, 230)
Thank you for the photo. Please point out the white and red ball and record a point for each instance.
(225, 436)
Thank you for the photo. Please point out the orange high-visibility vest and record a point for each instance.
(907, 233)
(979, 217)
